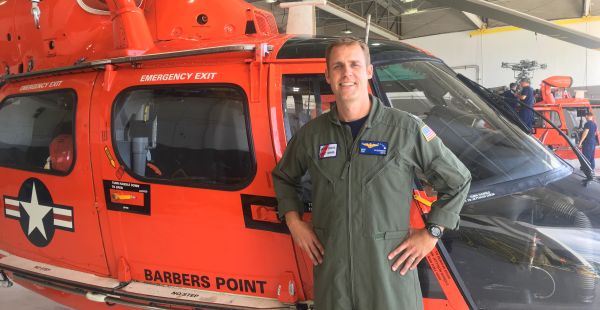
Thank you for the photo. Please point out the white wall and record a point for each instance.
(488, 51)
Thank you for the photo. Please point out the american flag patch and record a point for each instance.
(428, 133)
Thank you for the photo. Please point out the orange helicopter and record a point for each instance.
(564, 111)
(138, 139)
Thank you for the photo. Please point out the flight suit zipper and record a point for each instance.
(347, 173)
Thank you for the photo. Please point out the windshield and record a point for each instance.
(575, 118)
(493, 149)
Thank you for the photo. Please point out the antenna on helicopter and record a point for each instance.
(36, 12)
(524, 68)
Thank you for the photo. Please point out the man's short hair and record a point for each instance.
(512, 85)
(525, 80)
(348, 41)
(588, 113)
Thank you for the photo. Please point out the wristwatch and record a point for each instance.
(435, 230)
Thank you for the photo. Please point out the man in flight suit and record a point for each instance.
(365, 256)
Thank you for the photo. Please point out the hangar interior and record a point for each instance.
(474, 42)
(475, 45)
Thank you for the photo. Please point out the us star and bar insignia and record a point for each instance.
(36, 212)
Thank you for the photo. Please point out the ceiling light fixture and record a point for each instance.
(410, 11)
(346, 30)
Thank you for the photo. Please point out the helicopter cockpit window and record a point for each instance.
(37, 131)
(539, 122)
(493, 149)
(553, 116)
(575, 119)
(305, 96)
(187, 135)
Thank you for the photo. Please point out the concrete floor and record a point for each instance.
(20, 298)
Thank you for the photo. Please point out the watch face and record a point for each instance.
(435, 231)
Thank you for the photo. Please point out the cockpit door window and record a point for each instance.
(304, 97)
(38, 131)
(191, 135)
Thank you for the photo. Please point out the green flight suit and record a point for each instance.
(361, 201)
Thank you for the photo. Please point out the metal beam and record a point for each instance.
(386, 5)
(357, 20)
(346, 15)
(476, 20)
(522, 20)
(587, 4)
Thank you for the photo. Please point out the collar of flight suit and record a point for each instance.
(374, 113)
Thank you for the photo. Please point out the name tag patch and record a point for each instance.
(328, 150)
(373, 148)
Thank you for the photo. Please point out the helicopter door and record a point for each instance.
(297, 93)
(544, 131)
(49, 210)
(183, 167)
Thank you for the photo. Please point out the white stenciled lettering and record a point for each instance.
(205, 75)
(40, 85)
(178, 76)
(479, 196)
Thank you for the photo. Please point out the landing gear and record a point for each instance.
(4, 280)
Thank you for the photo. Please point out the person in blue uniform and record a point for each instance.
(589, 138)
(527, 96)
(511, 93)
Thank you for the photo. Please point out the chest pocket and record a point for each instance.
(393, 165)
(386, 194)
(325, 188)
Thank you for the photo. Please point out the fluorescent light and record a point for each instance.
(410, 11)
(296, 89)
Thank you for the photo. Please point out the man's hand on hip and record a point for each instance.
(418, 244)
(305, 237)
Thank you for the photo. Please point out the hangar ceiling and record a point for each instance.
(417, 18)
